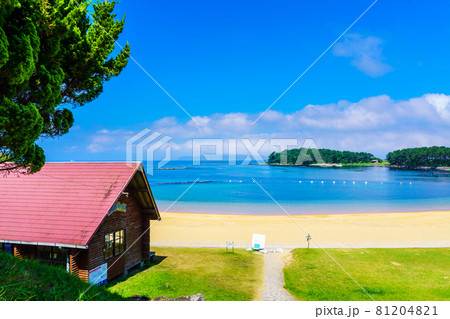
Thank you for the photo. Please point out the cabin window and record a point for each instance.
(114, 243)
(52, 255)
(44, 254)
(119, 242)
(109, 245)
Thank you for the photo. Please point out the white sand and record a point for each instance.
(422, 229)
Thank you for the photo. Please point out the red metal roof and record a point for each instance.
(64, 203)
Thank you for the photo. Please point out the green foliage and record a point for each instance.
(52, 55)
(31, 280)
(385, 273)
(422, 156)
(329, 156)
(215, 273)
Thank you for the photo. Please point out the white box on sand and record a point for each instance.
(258, 241)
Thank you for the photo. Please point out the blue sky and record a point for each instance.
(383, 86)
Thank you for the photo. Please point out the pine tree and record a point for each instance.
(53, 56)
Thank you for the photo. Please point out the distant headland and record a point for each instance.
(420, 158)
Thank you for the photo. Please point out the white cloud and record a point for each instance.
(376, 124)
(441, 103)
(106, 140)
(209, 126)
(365, 52)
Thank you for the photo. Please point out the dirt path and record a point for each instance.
(274, 279)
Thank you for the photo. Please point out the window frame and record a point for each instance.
(114, 244)
(108, 249)
(119, 242)
(52, 255)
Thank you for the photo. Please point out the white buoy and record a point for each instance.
(343, 182)
(240, 181)
(410, 183)
(229, 181)
(353, 182)
(365, 182)
(312, 182)
(322, 182)
(334, 182)
(300, 182)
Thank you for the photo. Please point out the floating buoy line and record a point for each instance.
(324, 182)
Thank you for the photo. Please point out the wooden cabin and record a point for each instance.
(91, 218)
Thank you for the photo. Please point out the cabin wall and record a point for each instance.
(78, 259)
(24, 252)
(137, 245)
(116, 265)
(79, 263)
(145, 220)
(137, 238)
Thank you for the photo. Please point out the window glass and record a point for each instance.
(109, 246)
(119, 244)
(60, 255)
(44, 253)
(52, 255)
(114, 243)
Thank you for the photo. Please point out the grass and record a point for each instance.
(386, 274)
(31, 280)
(215, 273)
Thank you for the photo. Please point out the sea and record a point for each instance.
(220, 188)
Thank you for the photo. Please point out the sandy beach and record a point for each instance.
(421, 229)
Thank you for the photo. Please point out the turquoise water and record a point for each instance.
(299, 190)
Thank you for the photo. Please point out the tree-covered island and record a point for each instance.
(425, 158)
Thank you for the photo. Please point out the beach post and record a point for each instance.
(308, 238)
(230, 245)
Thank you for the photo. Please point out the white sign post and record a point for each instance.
(258, 241)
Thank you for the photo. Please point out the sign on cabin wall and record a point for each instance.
(98, 275)
(118, 207)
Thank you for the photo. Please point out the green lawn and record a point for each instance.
(216, 274)
(31, 280)
(386, 274)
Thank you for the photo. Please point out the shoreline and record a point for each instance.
(297, 214)
(357, 165)
(356, 230)
(303, 209)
